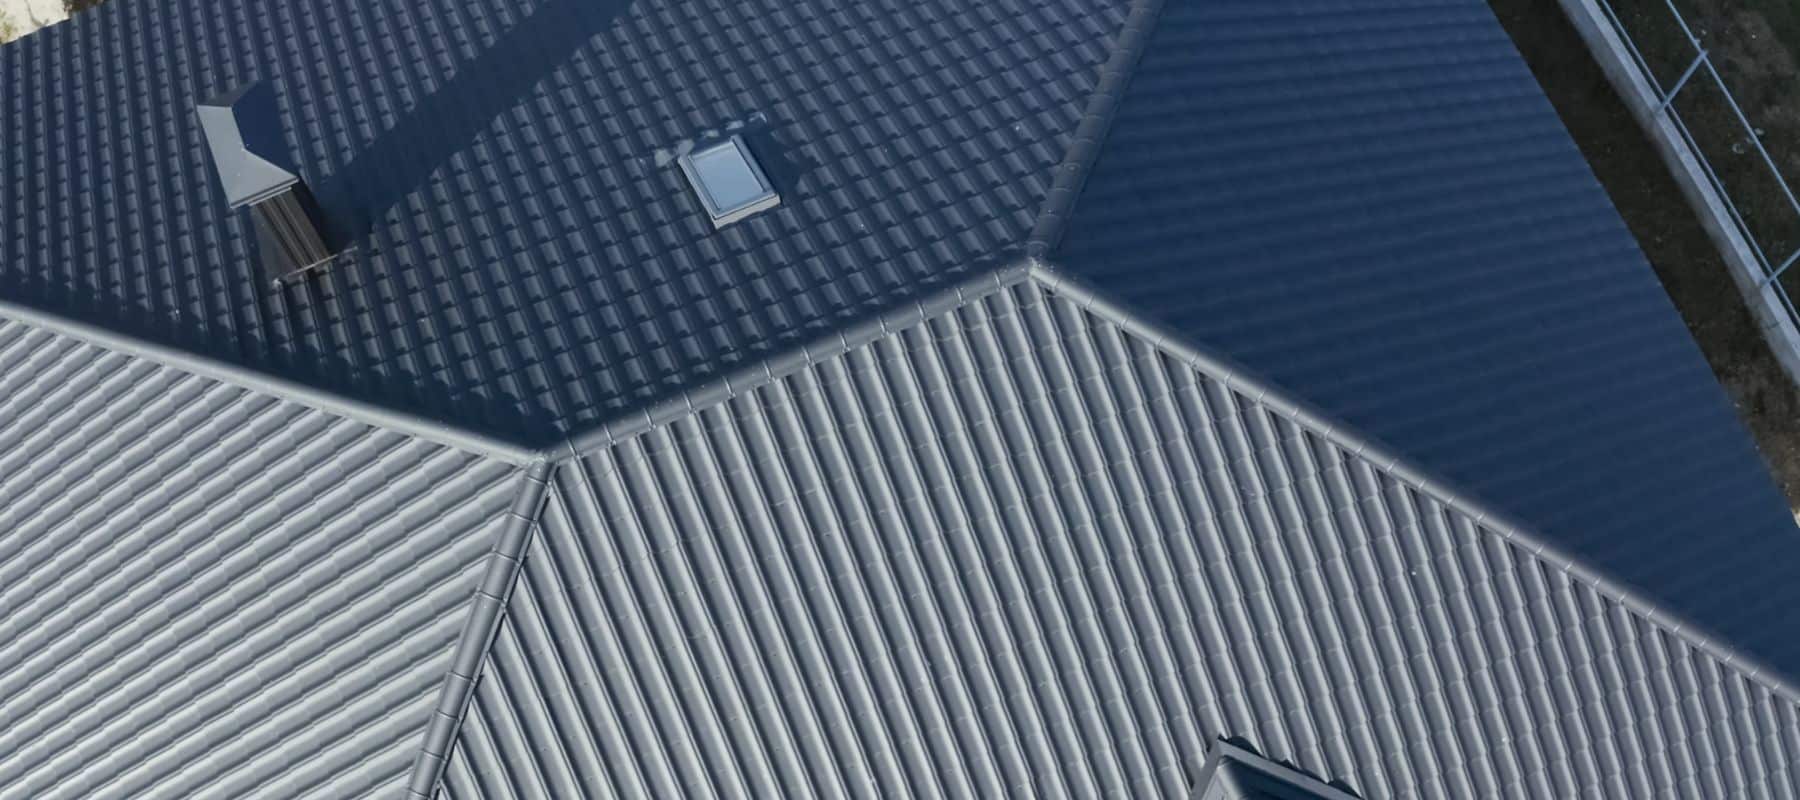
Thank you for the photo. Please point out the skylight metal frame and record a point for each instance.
(766, 199)
(1232, 772)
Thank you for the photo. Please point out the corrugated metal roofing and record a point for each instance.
(528, 257)
(211, 592)
(1021, 550)
(1018, 546)
(1373, 204)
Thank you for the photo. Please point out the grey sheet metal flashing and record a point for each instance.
(759, 373)
(472, 645)
(245, 378)
(1228, 764)
(242, 129)
(780, 365)
(1239, 379)
(1090, 134)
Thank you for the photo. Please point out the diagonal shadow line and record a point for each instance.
(403, 158)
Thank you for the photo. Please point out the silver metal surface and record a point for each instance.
(728, 181)
(1702, 63)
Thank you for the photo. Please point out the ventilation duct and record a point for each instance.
(243, 131)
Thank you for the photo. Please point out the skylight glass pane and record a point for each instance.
(730, 184)
(726, 177)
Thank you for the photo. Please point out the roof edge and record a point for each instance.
(486, 613)
(1265, 392)
(787, 362)
(218, 369)
(1090, 133)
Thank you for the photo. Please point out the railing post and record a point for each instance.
(1783, 268)
(1669, 97)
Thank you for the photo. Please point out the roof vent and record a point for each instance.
(730, 183)
(243, 131)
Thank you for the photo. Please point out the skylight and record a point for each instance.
(728, 181)
(1235, 773)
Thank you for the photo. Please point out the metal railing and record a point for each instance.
(1702, 64)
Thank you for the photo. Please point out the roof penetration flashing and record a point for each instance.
(728, 181)
(243, 133)
(1233, 772)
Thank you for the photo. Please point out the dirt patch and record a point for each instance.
(1691, 270)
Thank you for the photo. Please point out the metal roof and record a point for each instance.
(529, 259)
(916, 350)
(1022, 549)
(1374, 205)
(1022, 541)
(207, 591)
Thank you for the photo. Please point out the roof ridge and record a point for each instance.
(1090, 133)
(506, 559)
(486, 613)
(760, 372)
(781, 364)
(505, 562)
(243, 377)
(1265, 392)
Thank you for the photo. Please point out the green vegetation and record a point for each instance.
(9, 28)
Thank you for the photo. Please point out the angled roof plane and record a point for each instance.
(1062, 397)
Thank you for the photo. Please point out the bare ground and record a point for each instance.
(1684, 257)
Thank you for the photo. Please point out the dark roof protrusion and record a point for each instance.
(243, 131)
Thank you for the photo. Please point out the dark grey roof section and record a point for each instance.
(210, 592)
(1377, 208)
(529, 260)
(1022, 549)
(874, 491)
(1233, 772)
(768, 370)
(243, 132)
(1373, 206)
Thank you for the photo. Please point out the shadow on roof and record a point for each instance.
(445, 122)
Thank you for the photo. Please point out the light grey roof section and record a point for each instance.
(206, 591)
(1021, 549)
(202, 366)
(485, 610)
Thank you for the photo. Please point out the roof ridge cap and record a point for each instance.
(1268, 394)
(1090, 134)
(783, 363)
(487, 611)
(243, 377)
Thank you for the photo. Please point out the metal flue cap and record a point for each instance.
(243, 131)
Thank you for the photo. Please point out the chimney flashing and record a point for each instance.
(243, 130)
